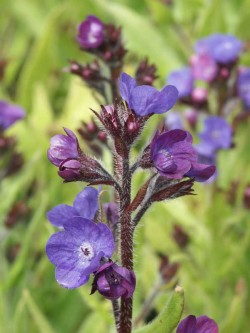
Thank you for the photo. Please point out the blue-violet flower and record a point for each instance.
(243, 86)
(145, 100)
(78, 249)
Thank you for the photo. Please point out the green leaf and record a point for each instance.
(38, 317)
(169, 317)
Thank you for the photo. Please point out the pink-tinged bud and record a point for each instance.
(246, 198)
(191, 116)
(199, 95)
(102, 136)
(224, 73)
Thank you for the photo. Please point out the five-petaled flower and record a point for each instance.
(146, 100)
(174, 156)
(202, 324)
(78, 249)
(113, 281)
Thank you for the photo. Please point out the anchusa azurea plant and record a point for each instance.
(97, 239)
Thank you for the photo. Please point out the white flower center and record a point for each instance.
(86, 251)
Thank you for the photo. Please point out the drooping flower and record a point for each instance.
(217, 133)
(224, 49)
(85, 205)
(9, 114)
(145, 100)
(202, 324)
(183, 80)
(243, 86)
(174, 156)
(90, 33)
(78, 249)
(113, 281)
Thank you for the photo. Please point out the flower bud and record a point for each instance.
(90, 33)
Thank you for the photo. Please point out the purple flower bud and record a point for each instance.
(69, 170)
(174, 156)
(191, 116)
(202, 324)
(113, 281)
(243, 86)
(111, 210)
(77, 251)
(145, 100)
(183, 80)
(217, 133)
(224, 49)
(63, 148)
(9, 114)
(203, 67)
(90, 33)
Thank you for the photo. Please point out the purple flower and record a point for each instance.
(174, 156)
(183, 80)
(224, 49)
(76, 251)
(201, 324)
(9, 114)
(173, 120)
(243, 86)
(203, 67)
(217, 133)
(145, 100)
(90, 33)
(85, 205)
(113, 281)
(63, 148)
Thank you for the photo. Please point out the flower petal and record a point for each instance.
(86, 203)
(206, 325)
(187, 325)
(61, 214)
(68, 278)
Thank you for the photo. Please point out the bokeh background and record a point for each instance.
(37, 40)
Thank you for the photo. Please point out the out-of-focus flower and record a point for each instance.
(243, 86)
(9, 114)
(217, 133)
(173, 120)
(203, 67)
(63, 147)
(85, 205)
(199, 95)
(174, 156)
(224, 49)
(191, 115)
(145, 100)
(202, 324)
(113, 281)
(90, 33)
(183, 80)
(78, 249)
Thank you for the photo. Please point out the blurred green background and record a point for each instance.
(37, 39)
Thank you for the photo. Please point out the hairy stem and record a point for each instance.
(141, 212)
(125, 322)
(116, 312)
